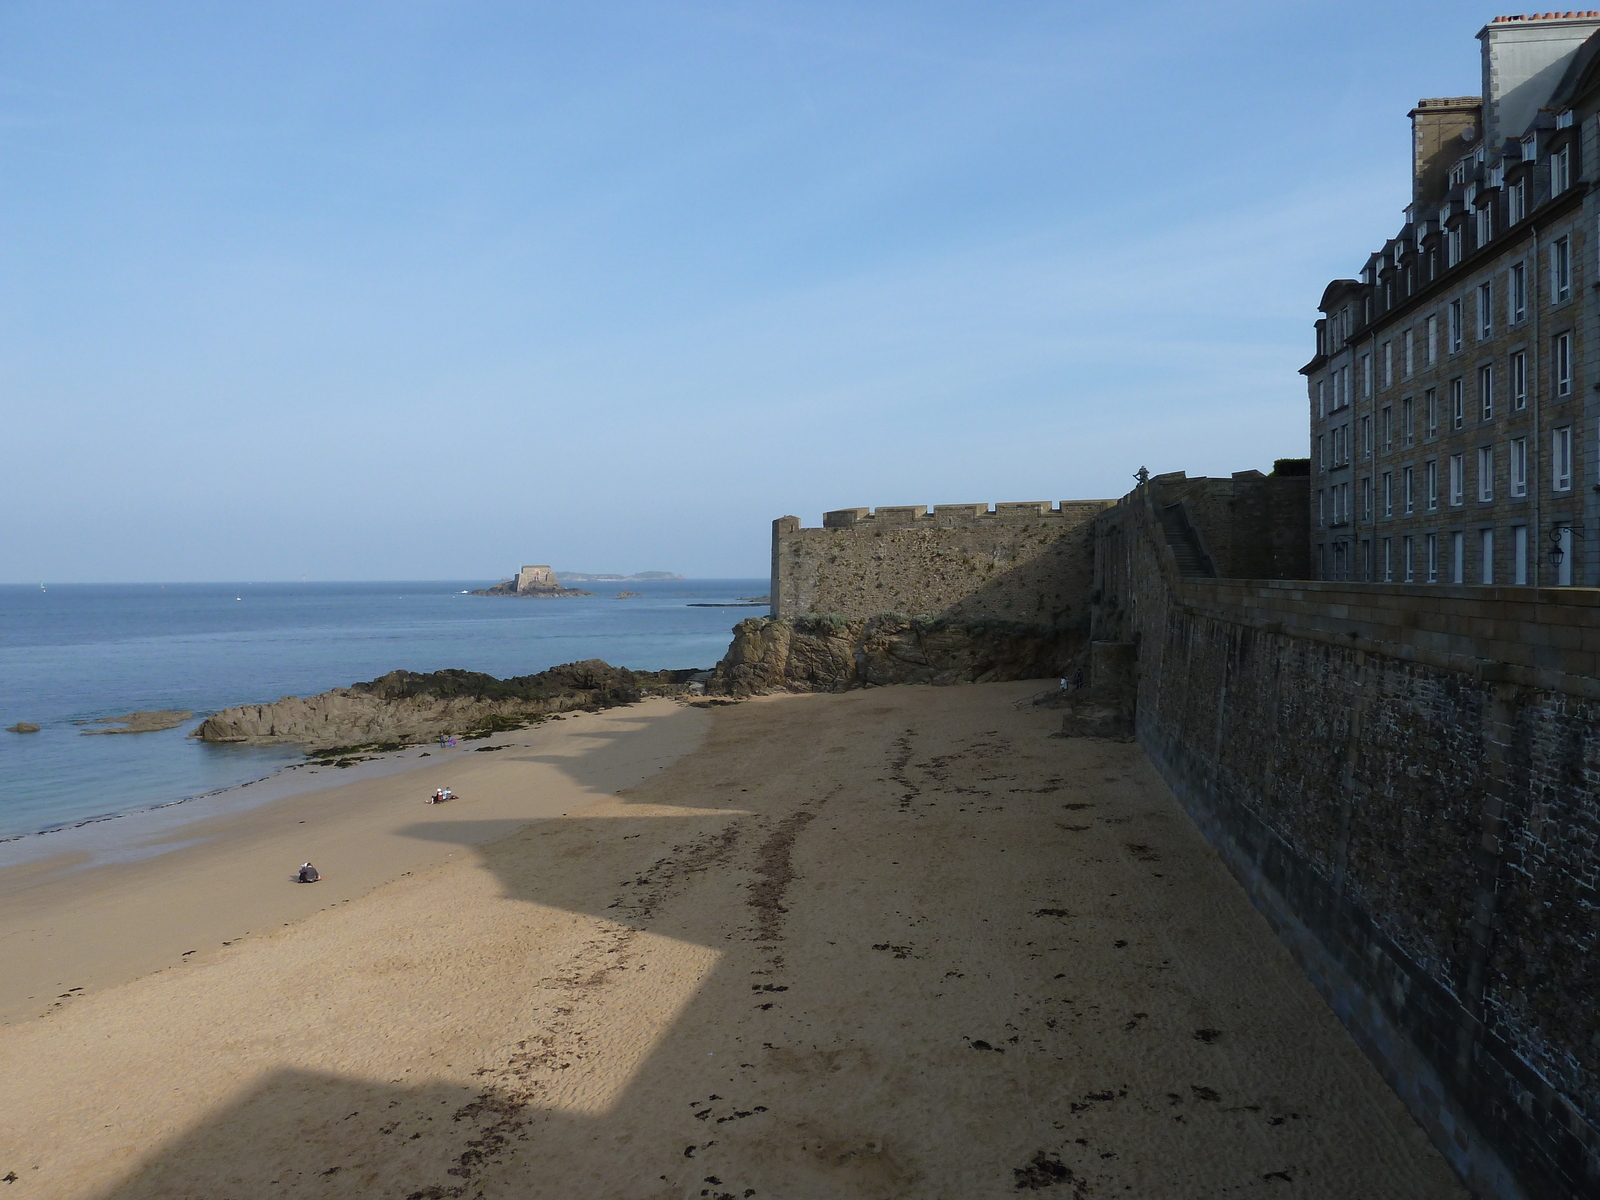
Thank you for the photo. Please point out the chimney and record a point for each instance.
(1524, 59)
(1442, 130)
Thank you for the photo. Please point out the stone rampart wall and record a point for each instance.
(1407, 782)
(1027, 563)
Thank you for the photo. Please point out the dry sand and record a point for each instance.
(894, 943)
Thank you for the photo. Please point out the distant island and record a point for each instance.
(535, 581)
(591, 577)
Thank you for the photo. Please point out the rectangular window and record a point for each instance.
(1430, 484)
(1406, 548)
(1366, 437)
(1388, 493)
(1458, 408)
(1433, 340)
(1388, 363)
(1431, 541)
(1458, 480)
(1560, 270)
(1408, 489)
(1455, 332)
(1408, 421)
(1386, 427)
(1530, 148)
(1388, 560)
(1322, 458)
(1458, 556)
(1485, 224)
(1564, 570)
(1519, 293)
(1560, 170)
(1322, 395)
(1561, 460)
(1431, 413)
(1519, 555)
(1366, 500)
(1409, 360)
(1519, 466)
(1452, 247)
(1561, 363)
(1519, 381)
(1485, 310)
(1486, 556)
(1486, 392)
(1485, 473)
(1322, 508)
(1344, 387)
(1366, 376)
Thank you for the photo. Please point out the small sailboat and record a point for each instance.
(41, 587)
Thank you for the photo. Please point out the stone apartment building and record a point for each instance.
(1453, 396)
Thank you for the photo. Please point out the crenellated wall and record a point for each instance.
(1029, 563)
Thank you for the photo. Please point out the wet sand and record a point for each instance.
(894, 943)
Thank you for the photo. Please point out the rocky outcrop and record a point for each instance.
(831, 654)
(509, 588)
(405, 706)
(22, 727)
(143, 721)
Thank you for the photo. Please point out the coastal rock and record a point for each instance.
(22, 727)
(405, 706)
(509, 588)
(143, 721)
(829, 654)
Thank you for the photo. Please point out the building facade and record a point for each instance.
(1453, 394)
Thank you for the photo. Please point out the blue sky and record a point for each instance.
(429, 290)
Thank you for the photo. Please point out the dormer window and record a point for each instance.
(1530, 148)
(1458, 174)
(1517, 201)
(1564, 119)
(1497, 175)
(1560, 170)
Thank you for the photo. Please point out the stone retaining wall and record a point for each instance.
(1406, 780)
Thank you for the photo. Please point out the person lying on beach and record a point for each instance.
(308, 874)
(439, 796)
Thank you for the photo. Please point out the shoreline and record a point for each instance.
(85, 912)
(889, 942)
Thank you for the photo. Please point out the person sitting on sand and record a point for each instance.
(308, 873)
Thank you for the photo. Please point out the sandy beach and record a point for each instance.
(892, 943)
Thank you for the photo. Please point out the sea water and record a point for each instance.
(73, 653)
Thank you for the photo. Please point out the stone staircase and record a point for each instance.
(1181, 540)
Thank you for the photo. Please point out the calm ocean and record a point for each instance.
(76, 652)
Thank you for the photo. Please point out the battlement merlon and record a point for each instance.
(953, 515)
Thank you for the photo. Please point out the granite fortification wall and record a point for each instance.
(1029, 563)
(1406, 780)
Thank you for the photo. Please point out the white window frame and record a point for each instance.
(1517, 292)
(1408, 553)
(1455, 333)
(1517, 467)
(1561, 363)
(1486, 557)
(1458, 557)
(1432, 324)
(1408, 489)
(1388, 493)
(1458, 404)
(1410, 360)
(1486, 392)
(1561, 459)
(1560, 270)
(1388, 364)
(1431, 542)
(1519, 381)
(1485, 474)
(1519, 555)
(1458, 480)
(1430, 475)
(1560, 170)
(1485, 310)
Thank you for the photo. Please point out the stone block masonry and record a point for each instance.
(1030, 563)
(1406, 781)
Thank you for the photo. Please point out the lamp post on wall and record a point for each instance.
(1560, 533)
